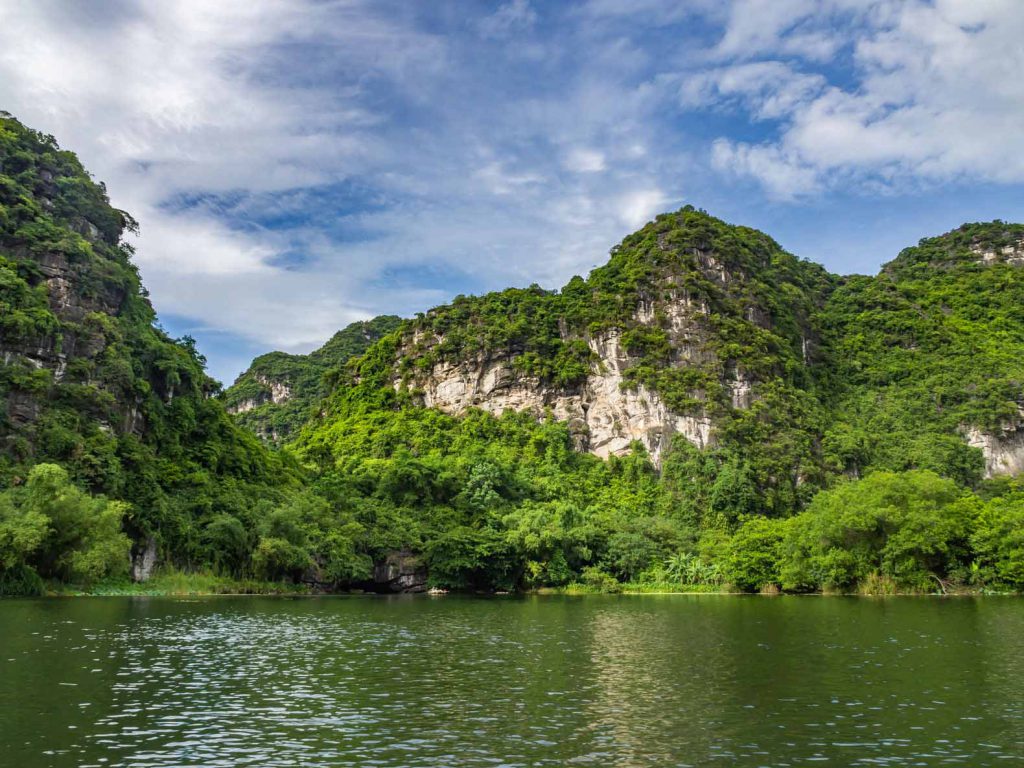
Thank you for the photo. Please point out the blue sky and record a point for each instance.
(299, 165)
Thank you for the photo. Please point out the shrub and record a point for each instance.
(752, 559)
(600, 581)
(20, 581)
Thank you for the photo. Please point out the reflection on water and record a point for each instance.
(540, 681)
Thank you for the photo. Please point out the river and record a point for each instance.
(516, 681)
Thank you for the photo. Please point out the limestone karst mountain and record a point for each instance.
(703, 378)
(713, 333)
(87, 378)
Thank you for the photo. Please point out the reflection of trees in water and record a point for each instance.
(660, 678)
(754, 681)
(56, 664)
(1000, 636)
(884, 680)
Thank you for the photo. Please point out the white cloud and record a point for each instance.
(583, 160)
(641, 206)
(767, 89)
(514, 16)
(936, 96)
(755, 26)
(784, 177)
(295, 165)
(170, 98)
(268, 106)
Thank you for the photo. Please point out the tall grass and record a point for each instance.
(174, 582)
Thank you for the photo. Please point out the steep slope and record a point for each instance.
(88, 381)
(931, 356)
(277, 393)
(694, 328)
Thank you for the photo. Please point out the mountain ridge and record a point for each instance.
(670, 317)
(704, 406)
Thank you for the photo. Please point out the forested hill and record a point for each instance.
(704, 409)
(699, 330)
(929, 358)
(89, 382)
(759, 386)
(278, 393)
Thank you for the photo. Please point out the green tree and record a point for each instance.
(22, 532)
(998, 541)
(753, 557)
(910, 527)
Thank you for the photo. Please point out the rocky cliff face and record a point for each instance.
(680, 355)
(273, 392)
(1003, 449)
(1012, 253)
(606, 414)
(67, 283)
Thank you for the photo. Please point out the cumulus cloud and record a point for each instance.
(933, 95)
(297, 165)
(287, 160)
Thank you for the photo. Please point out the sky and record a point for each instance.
(298, 165)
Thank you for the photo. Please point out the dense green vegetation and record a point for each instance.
(932, 344)
(51, 528)
(759, 321)
(88, 381)
(776, 502)
(838, 407)
(301, 379)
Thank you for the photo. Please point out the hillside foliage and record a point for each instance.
(847, 469)
(301, 379)
(89, 381)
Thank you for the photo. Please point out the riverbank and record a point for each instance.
(631, 588)
(205, 585)
(177, 584)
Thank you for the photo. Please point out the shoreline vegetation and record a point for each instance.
(183, 584)
(246, 589)
(886, 534)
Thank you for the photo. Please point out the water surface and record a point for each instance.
(534, 681)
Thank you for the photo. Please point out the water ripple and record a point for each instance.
(513, 682)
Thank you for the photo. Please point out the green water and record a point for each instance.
(553, 681)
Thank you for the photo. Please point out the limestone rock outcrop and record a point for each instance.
(604, 414)
(1003, 449)
(607, 412)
